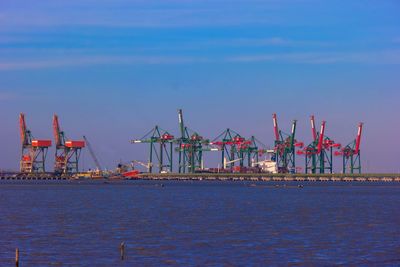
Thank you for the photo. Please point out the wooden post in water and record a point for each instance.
(122, 250)
(17, 257)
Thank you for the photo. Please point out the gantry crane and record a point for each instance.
(284, 148)
(190, 148)
(33, 151)
(67, 151)
(319, 153)
(163, 152)
(235, 148)
(352, 154)
(228, 142)
(251, 150)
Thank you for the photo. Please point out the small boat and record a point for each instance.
(133, 174)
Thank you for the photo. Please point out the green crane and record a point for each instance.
(190, 148)
(352, 154)
(285, 145)
(319, 154)
(161, 147)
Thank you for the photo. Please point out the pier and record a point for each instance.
(33, 176)
(264, 177)
(256, 177)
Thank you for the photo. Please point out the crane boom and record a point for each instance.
(147, 166)
(314, 132)
(358, 139)
(22, 129)
(293, 133)
(181, 124)
(321, 137)
(96, 162)
(56, 131)
(276, 129)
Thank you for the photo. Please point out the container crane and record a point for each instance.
(285, 146)
(67, 151)
(190, 148)
(351, 153)
(235, 148)
(162, 152)
(319, 153)
(33, 151)
(228, 143)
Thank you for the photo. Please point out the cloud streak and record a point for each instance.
(96, 60)
(373, 57)
(147, 14)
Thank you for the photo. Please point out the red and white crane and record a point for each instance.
(34, 151)
(319, 153)
(352, 153)
(67, 151)
(284, 147)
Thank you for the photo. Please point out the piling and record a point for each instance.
(17, 257)
(122, 250)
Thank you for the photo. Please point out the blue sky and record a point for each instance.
(113, 69)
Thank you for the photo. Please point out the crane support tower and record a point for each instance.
(161, 146)
(319, 153)
(351, 153)
(284, 149)
(67, 151)
(34, 151)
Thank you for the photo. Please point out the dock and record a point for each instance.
(33, 176)
(265, 177)
(254, 177)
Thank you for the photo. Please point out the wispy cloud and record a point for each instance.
(96, 60)
(269, 41)
(156, 13)
(81, 43)
(373, 57)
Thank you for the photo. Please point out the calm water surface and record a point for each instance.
(200, 223)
